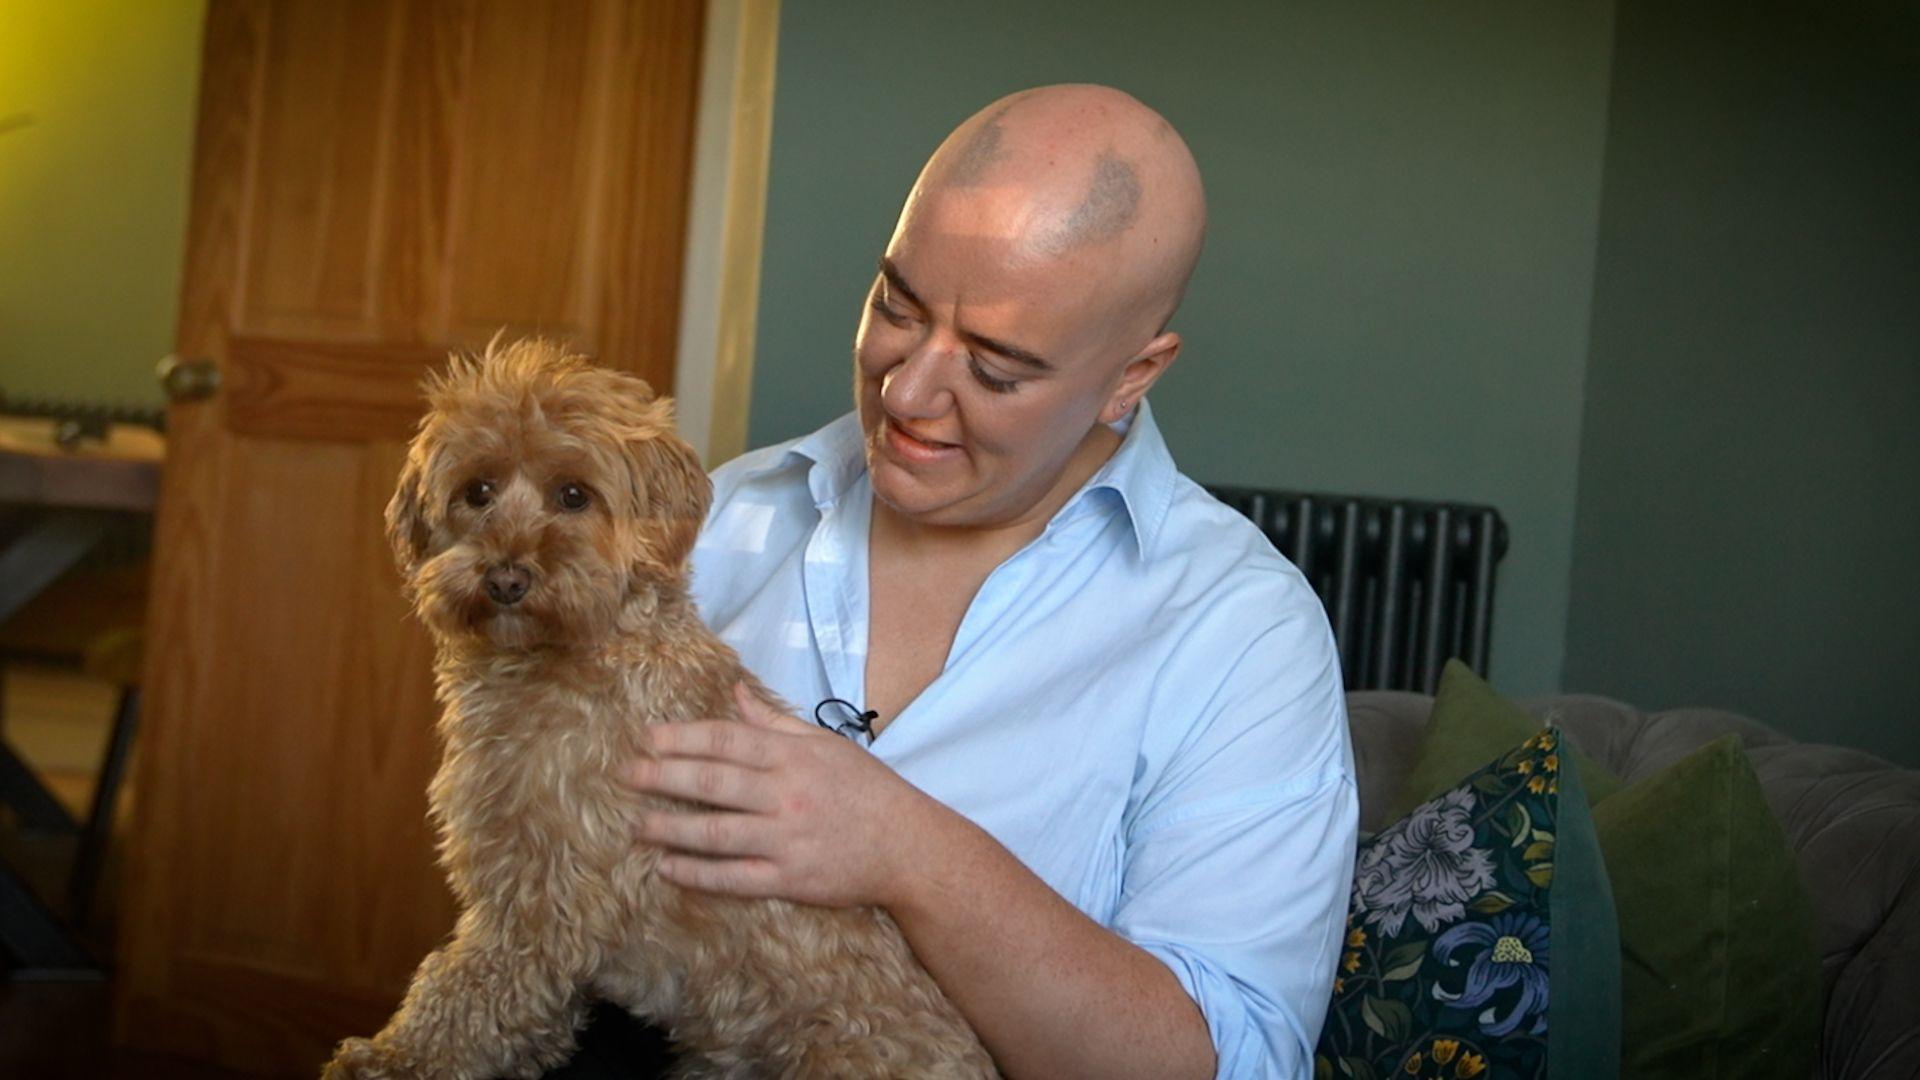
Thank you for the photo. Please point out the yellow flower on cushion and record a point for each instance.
(1553, 787)
(1356, 937)
(1525, 766)
(1339, 985)
(1553, 763)
(1413, 1064)
(1352, 963)
(1471, 1065)
(1537, 784)
(1444, 1049)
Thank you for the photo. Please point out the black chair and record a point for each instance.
(1406, 584)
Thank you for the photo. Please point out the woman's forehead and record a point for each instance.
(998, 281)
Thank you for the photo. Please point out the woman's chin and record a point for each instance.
(903, 494)
(911, 496)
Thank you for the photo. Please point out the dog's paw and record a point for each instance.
(363, 1059)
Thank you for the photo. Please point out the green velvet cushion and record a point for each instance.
(1720, 972)
(1481, 938)
(1470, 723)
(1720, 975)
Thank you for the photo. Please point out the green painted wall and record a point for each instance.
(96, 129)
(1749, 526)
(1411, 287)
(1394, 298)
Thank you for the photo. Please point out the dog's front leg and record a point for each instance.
(483, 1006)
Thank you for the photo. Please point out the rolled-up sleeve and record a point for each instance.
(1239, 860)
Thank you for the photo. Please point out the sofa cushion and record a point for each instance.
(1720, 976)
(1474, 921)
(1872, 1023)
(1471, 723)
(1853, 821)
(1386, 727)
(1633, 745)
(1719, 961)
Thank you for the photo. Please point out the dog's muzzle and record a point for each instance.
(506, 584)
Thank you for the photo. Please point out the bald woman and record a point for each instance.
(1077, 727)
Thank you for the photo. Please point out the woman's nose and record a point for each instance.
(916, 388)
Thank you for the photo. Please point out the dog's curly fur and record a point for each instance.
(567, 480)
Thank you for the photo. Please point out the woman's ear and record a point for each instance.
(1139, 376)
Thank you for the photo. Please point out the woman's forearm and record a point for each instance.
(1049, 991)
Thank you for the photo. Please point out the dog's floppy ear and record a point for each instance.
(406, 516)
(407, 528)
(673, 487)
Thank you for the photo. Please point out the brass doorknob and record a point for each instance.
(188, 378)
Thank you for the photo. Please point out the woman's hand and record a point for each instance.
(794, 811)
(790, 810)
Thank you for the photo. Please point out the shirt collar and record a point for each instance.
(835, 457)
(1140, 473)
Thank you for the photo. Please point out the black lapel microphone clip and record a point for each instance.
(862, 722)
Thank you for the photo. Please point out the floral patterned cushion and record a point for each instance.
(1481, 937)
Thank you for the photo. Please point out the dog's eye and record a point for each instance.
(573, 498)
(479, 493)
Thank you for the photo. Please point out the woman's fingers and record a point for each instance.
(703, 780)
(759, 712)
(725, 740)
(732, 877)
(708, 834)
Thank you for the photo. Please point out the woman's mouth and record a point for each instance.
(913, 449)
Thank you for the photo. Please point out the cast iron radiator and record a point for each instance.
(1406, 584)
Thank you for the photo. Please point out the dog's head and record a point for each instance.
(540, 495)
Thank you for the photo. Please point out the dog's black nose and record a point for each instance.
(507, 584)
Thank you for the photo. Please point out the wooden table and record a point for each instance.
(59, 502)
(63, 493)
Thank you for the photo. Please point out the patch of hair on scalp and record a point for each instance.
(980, 152)
(1109, 209)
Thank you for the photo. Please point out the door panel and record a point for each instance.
(315, 171)
(333, 391)
(374, 183)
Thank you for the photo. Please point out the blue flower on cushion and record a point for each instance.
(1513, 951)
(1425, 864)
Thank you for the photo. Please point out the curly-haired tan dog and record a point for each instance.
(542, 526)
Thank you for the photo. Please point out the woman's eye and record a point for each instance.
(574, 498)
(887, 312)
(988, 379)
(479, 493)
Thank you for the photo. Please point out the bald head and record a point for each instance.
(1020, 310)
(1082, 175)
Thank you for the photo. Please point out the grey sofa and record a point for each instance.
(1853, 819)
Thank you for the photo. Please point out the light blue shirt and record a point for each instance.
(1143, 705)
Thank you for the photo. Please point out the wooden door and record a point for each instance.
(373, 183)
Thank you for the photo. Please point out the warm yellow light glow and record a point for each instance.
(96, 131)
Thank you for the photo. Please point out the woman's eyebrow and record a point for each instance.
(1011, 352)
(899, 284)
